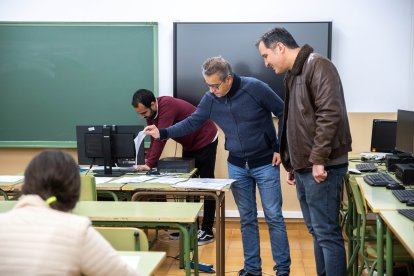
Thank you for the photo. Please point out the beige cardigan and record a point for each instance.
(37, 240)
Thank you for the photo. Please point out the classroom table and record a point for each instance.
(401, 227)
(180, 215)
(140, 189)
(148, 261)
(7, 188)
(379, 199)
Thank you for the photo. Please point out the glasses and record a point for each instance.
(215, 86)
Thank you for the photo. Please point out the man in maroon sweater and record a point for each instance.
(201, 145)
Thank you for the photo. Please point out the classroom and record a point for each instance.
(372, 47)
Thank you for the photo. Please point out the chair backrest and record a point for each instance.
(88, 188)
(358, 200)
(125, 238)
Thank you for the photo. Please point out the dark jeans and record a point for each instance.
(320, 207)
(205, 161)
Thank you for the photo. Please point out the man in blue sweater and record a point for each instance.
(242, 107)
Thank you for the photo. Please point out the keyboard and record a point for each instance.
(366, 167)
(117, 169)
(403, 195)
(379, 179)
(409, 213)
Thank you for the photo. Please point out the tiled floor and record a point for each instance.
(301, 251)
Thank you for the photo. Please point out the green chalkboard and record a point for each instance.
(54, 76)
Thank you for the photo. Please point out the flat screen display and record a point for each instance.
(405, 131)
(194, 42)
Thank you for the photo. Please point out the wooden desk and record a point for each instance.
(180, 215)
(148, 261)
(140, 189)
(380, 199)
(403, 229)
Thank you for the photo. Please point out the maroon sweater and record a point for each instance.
(171, 111)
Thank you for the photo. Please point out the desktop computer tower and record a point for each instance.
(405, 173)
(391, 160)
(176, 165)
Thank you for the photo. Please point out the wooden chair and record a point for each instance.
(125, 238)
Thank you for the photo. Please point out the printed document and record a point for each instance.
(138, 140)
(205, 183)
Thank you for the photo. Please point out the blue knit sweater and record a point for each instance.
(244, 115)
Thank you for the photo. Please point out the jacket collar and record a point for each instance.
(300, 60)
(235, 85)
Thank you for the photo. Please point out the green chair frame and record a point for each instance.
(125, 238)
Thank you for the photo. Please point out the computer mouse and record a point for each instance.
(395, 186)
(152, 172)
(410, 202)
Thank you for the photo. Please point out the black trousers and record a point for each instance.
(205, 161)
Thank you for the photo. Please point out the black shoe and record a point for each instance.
(174, 235)
(204, 237)
(242, 272)
(282, 273)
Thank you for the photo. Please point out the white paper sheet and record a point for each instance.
(205, 183)
(100, 180)
(167, 180)
(138, 140)
(11, 178)
(133, 179)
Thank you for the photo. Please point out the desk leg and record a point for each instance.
(389, 253)
(222, 234)
(186, 239)
(380, 245)
(4, 194)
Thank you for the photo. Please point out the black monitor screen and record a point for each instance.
(194, 42)
(121, 147)
(405, 131)
(383, 135)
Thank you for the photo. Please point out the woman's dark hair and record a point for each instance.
(53, 173)
(144, 97)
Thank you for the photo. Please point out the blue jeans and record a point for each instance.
(320, 208)
(267, 179)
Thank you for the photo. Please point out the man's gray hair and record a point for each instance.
(217, 65)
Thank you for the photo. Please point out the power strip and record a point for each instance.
(208, 268)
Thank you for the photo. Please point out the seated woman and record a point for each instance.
(40, 237)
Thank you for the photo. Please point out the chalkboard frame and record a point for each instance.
(152, 84)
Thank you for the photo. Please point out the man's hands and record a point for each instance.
(142, 168)
(290, 179)
(276, 159)
(153, 131)
(319, 173)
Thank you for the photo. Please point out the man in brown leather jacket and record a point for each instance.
(315, 140)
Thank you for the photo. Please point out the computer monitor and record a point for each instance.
(108, 145)
(405, 132)
(383, 135)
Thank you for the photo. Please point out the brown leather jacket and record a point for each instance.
(315, 121)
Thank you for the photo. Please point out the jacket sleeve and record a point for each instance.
(97, 256)
(326, 89)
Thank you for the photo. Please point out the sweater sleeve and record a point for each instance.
(191, 123)
(99, 258)
(271, 101)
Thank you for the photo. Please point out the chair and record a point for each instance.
(364, 237)
(125, 238)
(88, 189)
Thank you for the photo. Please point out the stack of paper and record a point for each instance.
(205, 183)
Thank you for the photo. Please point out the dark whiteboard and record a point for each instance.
(194, 42)
(54, 76)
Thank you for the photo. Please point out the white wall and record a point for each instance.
(372, 44)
